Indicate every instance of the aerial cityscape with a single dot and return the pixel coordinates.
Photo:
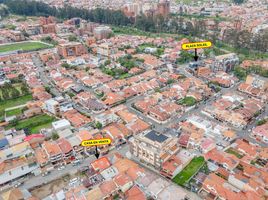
(133, 99)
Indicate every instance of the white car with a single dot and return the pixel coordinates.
(17, 184)
(61, 168)
(73, 181)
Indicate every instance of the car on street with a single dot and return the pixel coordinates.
(73, 181)
(17, 184)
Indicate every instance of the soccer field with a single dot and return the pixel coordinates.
(25, 46)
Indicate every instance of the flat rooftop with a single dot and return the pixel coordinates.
(155, 136)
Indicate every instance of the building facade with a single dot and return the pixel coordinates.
(153, 148)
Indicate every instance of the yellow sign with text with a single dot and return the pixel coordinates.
(87, 143)
(196, 45)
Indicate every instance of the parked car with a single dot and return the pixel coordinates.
(46, 173)
(73, 181)
(76, 162)
(61, 168)
(17, 184)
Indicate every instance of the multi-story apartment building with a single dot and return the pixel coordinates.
(153, 148)
(52, 106)
(102, 32)
(106, 49)
(106, 118)
(71, 49)
(66, 149)
(225, 62)
(257, 81)
(53, 152)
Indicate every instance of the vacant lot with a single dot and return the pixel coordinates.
(49, 188)
(33, 124)
(189, 170)
(16, 112)
(234, 152)
(13, 102)
(25, 46)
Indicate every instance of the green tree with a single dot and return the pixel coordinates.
(261, 122)
(14, 122)
(24, 89)
(240, 73)
(185, 57)
(190, 28)
(98, 125)
(238, 1)
(14, 93)
(107, 62)
(170, 81)
(55, 136)
(4, 12)
(49, 40)
(200, 28)
(72, 38)
(5, 94)
(66, 65)
(243, 39)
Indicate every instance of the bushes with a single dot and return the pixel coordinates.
(242, 73)
(187, 101)
(10, 91)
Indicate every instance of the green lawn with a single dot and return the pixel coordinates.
(189, 171)
(37, 129)
(123, 76)
(187, 101)
(234, 152)
(16, 112)
(25, 46)
(34, 124)
(14, 102)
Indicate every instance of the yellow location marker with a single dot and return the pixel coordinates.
(196, 45)
(87, 143)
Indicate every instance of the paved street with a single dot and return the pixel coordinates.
(55, 174)
(41, 70)
(69, 169)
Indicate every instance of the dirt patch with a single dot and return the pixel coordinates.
(50, 188)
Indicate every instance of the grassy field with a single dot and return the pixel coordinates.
(189, 171)
(188, 101)
(14, 102)
(234, 152)
(37, 129)
(34, 124)
(16, 112)
(25, 46)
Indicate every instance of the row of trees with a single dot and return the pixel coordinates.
(247, 40)
(174, 24)
(35, 8)
(242, 73)
(3, 11)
